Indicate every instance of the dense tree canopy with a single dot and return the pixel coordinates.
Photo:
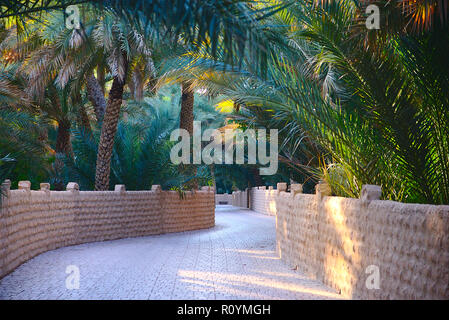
(353, 105)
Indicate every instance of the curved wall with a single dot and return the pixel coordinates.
(32, 222)
(365, 248)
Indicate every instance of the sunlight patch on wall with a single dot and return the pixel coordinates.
(340, 253)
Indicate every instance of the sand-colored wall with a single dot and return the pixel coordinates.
(32, 222)
(240, 199)
(195, 211)
(223, 198)
(263, 200)
(237, 199)
(336, 240)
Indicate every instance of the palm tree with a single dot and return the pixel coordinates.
(43, 96)
(141, 152)
(21, 134)
(372, 114)
(68, 57)
(231, 24)
(96, 96)
(198, 21)
(382, 126)
(23, 146)
(108, 129)
(187, 101)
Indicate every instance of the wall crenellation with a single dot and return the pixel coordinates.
(35, 221)
(339, 240)
(332, 239)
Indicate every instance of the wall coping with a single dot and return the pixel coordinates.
(35, 221)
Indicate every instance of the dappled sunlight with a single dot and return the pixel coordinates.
(282, 274)
(270, 201)
(285, 227)
(269, 258)
(272, 206)
(223, 290)
(340, 252)
(337, 268)
(227, 282)
(257, 252)
(225, 106)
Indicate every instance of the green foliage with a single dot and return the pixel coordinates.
(378, 113)
(21, 135)
(141, 155)
(341, 179)
(232, 25)
(352, 106)
(389, 126)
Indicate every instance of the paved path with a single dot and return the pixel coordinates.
(234, 260)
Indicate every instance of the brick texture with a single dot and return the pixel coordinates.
(32, 222)
(223, 198)
(335, 240)
(263, 200)
(237, 199)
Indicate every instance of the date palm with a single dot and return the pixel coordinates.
(377, 115)
(45, 98)
(198, 21)
(216, 23)
(69, 57)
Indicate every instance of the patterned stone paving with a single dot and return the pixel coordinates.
(234, 260)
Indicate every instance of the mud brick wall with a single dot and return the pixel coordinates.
(263, 200)
(240, 199)
(32, 222)
(237, 199)
(194, 211)
(336, 240)
(223, 198)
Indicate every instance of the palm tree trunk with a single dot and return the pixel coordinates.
(101, 76)
(108, 130)
(63, 149)
(138, 85)
(187, 100)
(63, 144)
(83, 120)
(96, 96)
(212, 173)
(82, 117)
(186, 122)
(257, 178)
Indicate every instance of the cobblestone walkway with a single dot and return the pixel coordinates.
(234, 260)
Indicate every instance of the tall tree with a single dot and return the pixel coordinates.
(95, 94)
(187, 101)
(108, 130)
(186, 119)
